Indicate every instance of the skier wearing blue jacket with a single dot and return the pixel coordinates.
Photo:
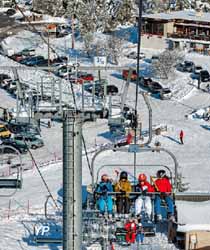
(105, 200)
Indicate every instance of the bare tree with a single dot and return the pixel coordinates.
(114, 48)
(165, 64)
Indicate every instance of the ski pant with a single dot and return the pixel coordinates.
(123, 205)
(104, 202)
(169, 203)
(130, 237)
(181, 140)
(146, 201)
(140, 237)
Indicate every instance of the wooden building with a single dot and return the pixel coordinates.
(183, 29)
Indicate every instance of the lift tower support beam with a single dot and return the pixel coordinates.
(72, 180)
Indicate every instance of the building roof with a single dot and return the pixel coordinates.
(189, 15)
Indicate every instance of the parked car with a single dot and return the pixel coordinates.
(154, 87)
(204, 76)
(28, 52)
(20, 146)
(133, 55)
(21, 127)
(85, 76)
(11, 88)
(5, 83)
(99, 88)
(144, 82)
(31, 140)
(10, 12)
(189, 66)
(133, 75)
(17, 57)
(197, 69)
(165, 93)
(4, 131)
(32, 61)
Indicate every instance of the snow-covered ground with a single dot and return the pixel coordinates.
(16, 226)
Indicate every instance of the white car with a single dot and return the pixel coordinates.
(133, 55)
(197, 69)
(165, 94)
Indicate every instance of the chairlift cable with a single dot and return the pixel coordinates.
(42, 177)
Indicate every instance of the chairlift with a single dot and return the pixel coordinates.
(13, 183)
(48, 232)
(134, 148)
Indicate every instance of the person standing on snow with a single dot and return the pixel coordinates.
(144, 186)
(163, 186)
(122, 200)
(105, 200)
(181, 137)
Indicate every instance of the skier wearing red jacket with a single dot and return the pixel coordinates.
(163, 185)
(131, 228)
(181, 136)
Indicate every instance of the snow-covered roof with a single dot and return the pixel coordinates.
(189, 15)
(193, 227)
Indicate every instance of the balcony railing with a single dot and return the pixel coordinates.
(201, 37)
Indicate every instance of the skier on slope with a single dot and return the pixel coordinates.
(144, 186)
(181, 137)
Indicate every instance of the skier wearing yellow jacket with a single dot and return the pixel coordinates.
(122, 200)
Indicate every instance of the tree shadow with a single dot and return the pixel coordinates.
(172, 139)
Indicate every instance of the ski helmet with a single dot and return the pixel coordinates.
(142, 177)
(161, 173)
(104, 177)
(123, 175)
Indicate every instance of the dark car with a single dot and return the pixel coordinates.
(31, 140)
(144, 82)
(32, 61)
(99, 89)
(155, 87)
(20, 127)
(20, 146)
(189, 66)
(204, 76)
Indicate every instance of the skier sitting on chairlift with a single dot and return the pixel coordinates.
(144, 186)
(122, 200)
(163, 185)
(104, 199)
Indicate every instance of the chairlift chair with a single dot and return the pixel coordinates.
(13, 183)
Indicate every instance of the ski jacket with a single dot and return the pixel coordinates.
(129, 138)
(130, 226)
(163, 185)
(181, 134)
(103, 188)
(145, 187)
(123, 186)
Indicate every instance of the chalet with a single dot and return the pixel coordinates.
(183, 29)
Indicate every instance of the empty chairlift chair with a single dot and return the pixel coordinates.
(10, 169)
